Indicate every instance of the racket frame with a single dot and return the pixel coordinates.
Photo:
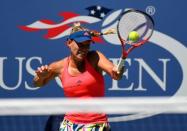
(124, 42)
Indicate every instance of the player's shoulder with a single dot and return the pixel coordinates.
(58, 64)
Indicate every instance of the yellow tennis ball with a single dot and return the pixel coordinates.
(133, 36)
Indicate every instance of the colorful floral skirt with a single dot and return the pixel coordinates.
(69, 126)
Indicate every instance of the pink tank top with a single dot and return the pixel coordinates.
(86, 85)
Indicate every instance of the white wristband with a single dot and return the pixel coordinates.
(120, 64)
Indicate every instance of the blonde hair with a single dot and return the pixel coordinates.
(77, 27)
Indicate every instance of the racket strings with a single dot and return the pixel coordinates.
(135, 21)
(128, 23)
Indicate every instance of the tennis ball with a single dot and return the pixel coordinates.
(133, 36)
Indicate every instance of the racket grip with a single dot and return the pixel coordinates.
(120, 64)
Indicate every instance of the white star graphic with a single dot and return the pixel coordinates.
(92, 12)
(102, 15)
(98, 7)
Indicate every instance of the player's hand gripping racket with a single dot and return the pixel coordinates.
(134, 29)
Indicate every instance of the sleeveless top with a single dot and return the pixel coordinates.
(88, 84)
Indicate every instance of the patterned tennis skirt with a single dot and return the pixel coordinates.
(69, 126)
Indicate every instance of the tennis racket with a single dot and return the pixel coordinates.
(133, 21)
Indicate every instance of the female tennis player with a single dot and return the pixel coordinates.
(81, 76)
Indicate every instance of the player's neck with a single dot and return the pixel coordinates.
(73, 63)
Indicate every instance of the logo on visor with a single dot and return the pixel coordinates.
(86, 34)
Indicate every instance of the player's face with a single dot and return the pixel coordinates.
(79, 51)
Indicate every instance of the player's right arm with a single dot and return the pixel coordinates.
(46, 73)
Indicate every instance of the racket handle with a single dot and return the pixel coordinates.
(120, 64)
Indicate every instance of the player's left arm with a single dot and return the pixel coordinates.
(110, 68)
